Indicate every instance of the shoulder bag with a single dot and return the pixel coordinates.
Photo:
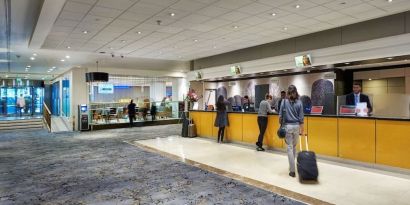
(282, 130)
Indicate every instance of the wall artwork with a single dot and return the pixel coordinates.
(221, 91)
(320, 88)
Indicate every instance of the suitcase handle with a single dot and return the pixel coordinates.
(300, 142)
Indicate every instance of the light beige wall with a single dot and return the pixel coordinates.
(399, 81)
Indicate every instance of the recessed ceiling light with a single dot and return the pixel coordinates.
(370, 79)
(67, 56)
(29, 66)
(32, 58)
(195, 40)
(214, 46)
(273, 14)
(297, 6)
(389, 58)
(347, 63)
(172, 14)
(42, 78)
(139, 32)
(123, 41)
(235, 27)
(7, 76)
(48, 71)
(34, 54)
(389, 1)
(110, 48)
(62, 60)
(285, 28)
(68, 47)
(85, 32)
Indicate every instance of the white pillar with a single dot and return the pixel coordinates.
(79, 93)
(157, 91)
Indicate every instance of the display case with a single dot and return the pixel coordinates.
(115, 112)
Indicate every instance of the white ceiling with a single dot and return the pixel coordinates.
(199, 28)
(113, 25)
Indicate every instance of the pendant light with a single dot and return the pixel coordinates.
(96, 76)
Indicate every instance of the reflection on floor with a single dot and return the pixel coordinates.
(337, 184)
(60, 124)
(119, 121)
(38, 167)
(3, 118)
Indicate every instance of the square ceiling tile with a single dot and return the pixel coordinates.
(164, 3)
(234, 16)
(146, 8)
(315, 11)
(85, 1)
(341, 4)
(195, 19)
(253, 20)
(213, 11)
(68, 23)
(232, 4)
(188, 5)
(76, 7)
(254, 8)
(291, 7)
(132, 16)
(170, 29)
(292, 18)
(71, 15)
(105, 12)
(117, 4)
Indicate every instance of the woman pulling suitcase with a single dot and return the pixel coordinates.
(293, 123)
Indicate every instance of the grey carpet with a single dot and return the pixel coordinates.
(37, 167)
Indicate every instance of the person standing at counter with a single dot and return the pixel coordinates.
(358, 97)
(282, 97)
(221, 120)
(131, 112)
(293, 120)
(264, 109)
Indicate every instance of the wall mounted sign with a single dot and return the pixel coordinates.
(105, 88)
(302, 61)
(330, 76)
(198, 75)
(236, 70)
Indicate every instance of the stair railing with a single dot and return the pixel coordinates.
(47, 116)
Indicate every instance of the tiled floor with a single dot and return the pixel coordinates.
(337, 183)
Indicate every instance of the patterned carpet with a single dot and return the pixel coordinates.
(37, 167)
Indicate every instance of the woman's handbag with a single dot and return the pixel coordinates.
(282, 130)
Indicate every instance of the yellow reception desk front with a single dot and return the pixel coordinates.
(372, 140)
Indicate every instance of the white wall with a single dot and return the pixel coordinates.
(379, 48)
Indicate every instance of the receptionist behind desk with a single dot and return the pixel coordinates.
(358, 97)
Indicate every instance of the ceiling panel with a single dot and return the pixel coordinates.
(224, 24)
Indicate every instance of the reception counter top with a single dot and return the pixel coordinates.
(378, 140)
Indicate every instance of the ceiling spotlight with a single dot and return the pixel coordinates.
(235, 27)
(62, 60)
(32, 58)
(34, 54)
(139, 32)
(389, 1)
(68, 47)
(48, 71)
(214, 46)
(85, 32)
(389, 58)
(110, 48)
(347, 63)
(123, 41)
(172, 14)
(67, 56)
(122, 56)
(112, 55)
(297, 6)
(195, 40)
(285, 28)
(29, 66)
(54, 67)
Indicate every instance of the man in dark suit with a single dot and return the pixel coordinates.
(358, 97)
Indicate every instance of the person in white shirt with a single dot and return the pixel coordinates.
(21, 103)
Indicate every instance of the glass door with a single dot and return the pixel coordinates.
(55, 99)
(3, 101)
(38, 100)
(11, 101)
(24, 97)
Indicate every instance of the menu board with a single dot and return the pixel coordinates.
(106, 88)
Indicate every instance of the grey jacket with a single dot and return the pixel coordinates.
(264, 108)
(293, 112)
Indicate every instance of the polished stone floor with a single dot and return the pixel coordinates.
(98, 167)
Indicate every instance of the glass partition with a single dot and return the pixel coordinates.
(383, 105)
(117, 112)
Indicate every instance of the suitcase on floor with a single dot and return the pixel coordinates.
(306, 163)
(191, 129)
(185, 125)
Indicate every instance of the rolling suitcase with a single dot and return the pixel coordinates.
(191, 129)
(306, 163)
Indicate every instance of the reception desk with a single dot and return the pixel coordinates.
(384, 141)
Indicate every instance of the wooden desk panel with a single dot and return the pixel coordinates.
(357, 139)
(393, 143)
(323, 136)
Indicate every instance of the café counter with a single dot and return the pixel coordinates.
(377, 140)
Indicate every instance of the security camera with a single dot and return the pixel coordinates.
(18, 56)
(159, 22)
(112, 55)
(122, 56)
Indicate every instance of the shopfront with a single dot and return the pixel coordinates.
(21, 98)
